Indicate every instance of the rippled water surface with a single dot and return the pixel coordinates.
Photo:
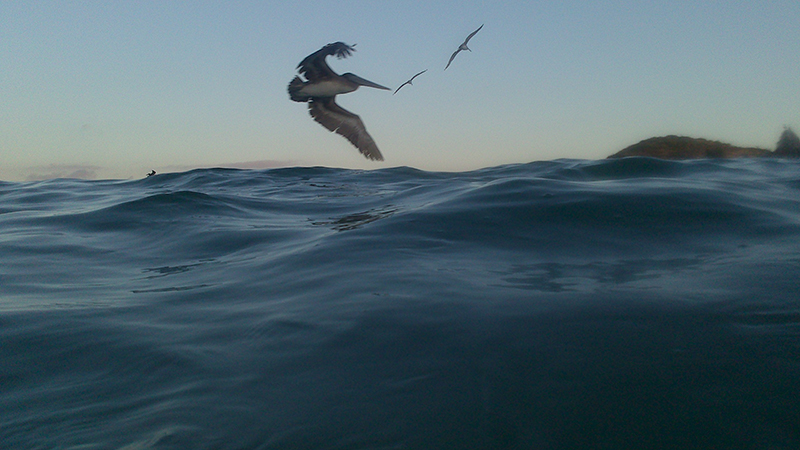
(631, 303)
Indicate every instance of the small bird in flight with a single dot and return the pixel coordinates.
(462, 47)
(409, 81)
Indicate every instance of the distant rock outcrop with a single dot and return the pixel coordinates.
(788, 144)
(682, 147)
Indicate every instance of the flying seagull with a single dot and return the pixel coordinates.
(409, 81)
(320, 92)
(462, 47)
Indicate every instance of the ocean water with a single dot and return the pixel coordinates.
(630, 303)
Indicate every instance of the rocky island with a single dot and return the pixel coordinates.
(683, 147)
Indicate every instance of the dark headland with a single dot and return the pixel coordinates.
(683, 147)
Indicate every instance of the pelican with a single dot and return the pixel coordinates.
(462, 47)
(409, 81)
(320, 92)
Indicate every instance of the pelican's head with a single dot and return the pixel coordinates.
(362, 82)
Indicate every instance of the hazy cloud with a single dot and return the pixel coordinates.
(49, 172)
(260, 164)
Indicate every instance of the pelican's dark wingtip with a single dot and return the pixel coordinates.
(343, 50)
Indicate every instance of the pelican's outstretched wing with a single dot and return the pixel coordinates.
(409, 81)
(341, 121)
(314, 67)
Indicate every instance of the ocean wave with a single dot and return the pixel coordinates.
(549, 304)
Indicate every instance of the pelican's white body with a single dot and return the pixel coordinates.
(327, 88)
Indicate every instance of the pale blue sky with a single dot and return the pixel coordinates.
(114, 89)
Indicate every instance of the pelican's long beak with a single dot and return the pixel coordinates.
(367, 83)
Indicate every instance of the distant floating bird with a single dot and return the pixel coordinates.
(409, 81)
(151, 173)
(462, 47)
(320, 92)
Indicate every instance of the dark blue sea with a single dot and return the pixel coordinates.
(616, 304)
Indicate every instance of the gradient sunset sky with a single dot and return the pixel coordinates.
(99, 90)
